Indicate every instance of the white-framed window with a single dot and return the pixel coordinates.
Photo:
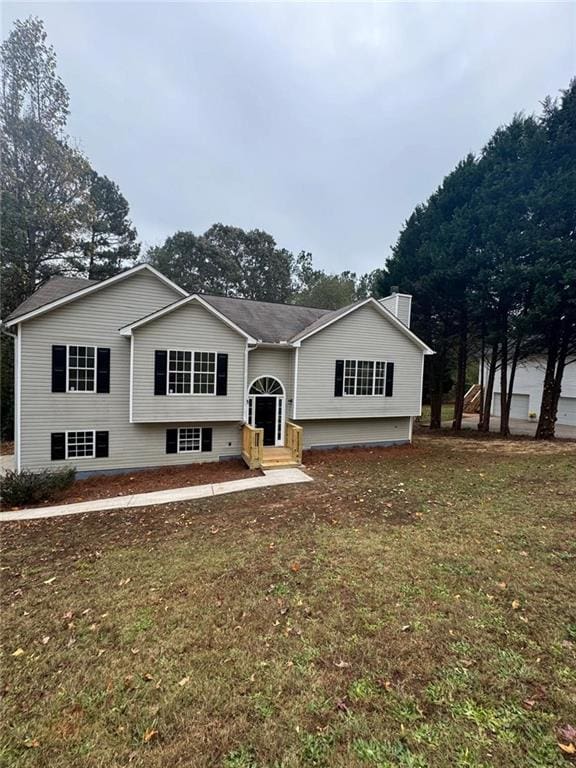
(189, 439)
(81, 445)
(81, 368)
(364, 377)
(191, 373)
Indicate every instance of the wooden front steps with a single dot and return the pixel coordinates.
(258, 456)
(277, 458)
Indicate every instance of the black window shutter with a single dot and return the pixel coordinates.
(58, 368)
(339, 379)
(221, 373)
(58, 446)
(101, 445)
(160, 371)
(102, 370)
(389, 379)
(171, 441)
(206, 439)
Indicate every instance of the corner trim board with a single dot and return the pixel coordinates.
(18, 398)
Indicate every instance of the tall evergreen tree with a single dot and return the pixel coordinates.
(110, 240)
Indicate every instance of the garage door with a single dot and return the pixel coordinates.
(518, 406)
(567, 411)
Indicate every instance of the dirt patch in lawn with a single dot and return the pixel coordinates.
(147, 480)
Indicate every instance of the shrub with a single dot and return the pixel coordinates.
(18, 488)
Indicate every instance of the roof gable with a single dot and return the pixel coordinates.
(338, 314)
(55, 294)
(127, 330)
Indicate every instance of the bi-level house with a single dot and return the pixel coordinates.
(135, 372)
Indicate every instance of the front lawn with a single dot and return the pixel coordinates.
(412, 607)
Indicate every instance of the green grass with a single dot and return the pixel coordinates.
(447, 413)
(412, 607)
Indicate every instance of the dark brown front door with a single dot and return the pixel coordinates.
(265, 418)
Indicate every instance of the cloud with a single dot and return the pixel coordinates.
(323, 123)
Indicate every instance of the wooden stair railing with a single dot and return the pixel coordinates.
(294, 440)
(252, 446)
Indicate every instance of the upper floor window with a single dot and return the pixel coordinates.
(81, 369)
(191, 373)
(364, 377)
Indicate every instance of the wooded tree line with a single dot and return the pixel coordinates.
(491, 261)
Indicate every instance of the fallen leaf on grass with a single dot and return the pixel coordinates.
(569, 749)
(45, 639)
(18, 652)
(184, 681)
(567, 733)
(149, 734)
(49, 581)
(341, 664)
(32, 743)
(515, 604)
(295, 567)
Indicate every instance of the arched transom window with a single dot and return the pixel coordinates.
(266, 386)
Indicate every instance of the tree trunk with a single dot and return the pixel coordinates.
(513, 367)
(482, 382)
(437, 387)
(545, 429)
(504, 428)
(461, 374)
(484, 425)
(549, 408)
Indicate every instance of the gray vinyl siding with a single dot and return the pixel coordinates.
(191, 327)
(266, 361)
(92, 320)
(362, 335)
(147, 447)
(325, 432)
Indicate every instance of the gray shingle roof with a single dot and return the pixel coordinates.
(266, 321)
(53, 289)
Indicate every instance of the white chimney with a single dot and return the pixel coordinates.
(400, 304)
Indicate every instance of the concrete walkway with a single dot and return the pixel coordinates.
(270, 478)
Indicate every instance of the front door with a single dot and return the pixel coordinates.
(265, 418)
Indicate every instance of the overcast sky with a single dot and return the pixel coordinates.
(324, 124)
